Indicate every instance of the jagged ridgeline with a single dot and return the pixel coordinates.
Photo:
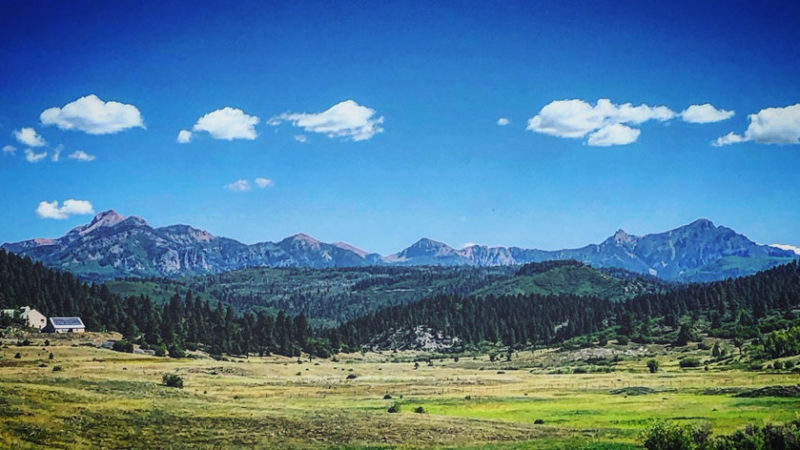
(732, 308)
(113, 246)
(182, 322)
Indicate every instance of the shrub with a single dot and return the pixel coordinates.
(395, 408)
(670, 436)
(123, 345)
(579, 370)
(622, 339)
(538, 422)
(17, 356)
(689, 362)
(387, 397)
(788, 365)
(172, 380)
(351, 376)
(652, 365)
(176, 352)
(160, 350)
(57, 369)
(51, 356)
(777, 365)
(419, 410)
(46, 342)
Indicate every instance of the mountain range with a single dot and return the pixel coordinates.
(113, 246)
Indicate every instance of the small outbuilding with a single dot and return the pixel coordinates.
(65, 325)
(29, 316)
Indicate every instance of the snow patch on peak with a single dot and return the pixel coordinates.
(788, 247)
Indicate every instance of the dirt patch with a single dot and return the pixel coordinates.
(634, 390)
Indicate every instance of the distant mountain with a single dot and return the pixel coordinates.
(112, 246)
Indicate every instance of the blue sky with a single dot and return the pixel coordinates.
(418, 151)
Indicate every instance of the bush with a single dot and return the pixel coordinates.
(622, 339)
(51, 356)
(419, 410)
(395, 408)
(387, 397)
(172, 380)
(538, 422)
(352, 376)
(788, 365)
(671, 436)
(17, 356)
(777, 365)
(123, 345)
(579, 370)
(176, 352)
(160, 350)
(57, 369)
(652, 365)
(46, 342)
(689, 362)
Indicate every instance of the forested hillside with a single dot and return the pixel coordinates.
(181, 323)
(732, 308)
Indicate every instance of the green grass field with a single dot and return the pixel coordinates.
(105, 399)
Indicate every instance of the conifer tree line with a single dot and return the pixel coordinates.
(183, 322)
(733, 304)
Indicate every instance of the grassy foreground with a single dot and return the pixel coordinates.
(105, 399)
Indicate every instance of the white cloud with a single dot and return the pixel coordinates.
(51, 210)
(264, 182)
(81, 155)
(92, 115)
(300, 138)
(503, 121)
(705, 113)
(791, 248)
(227, 123)
(33, 157)
(29, 137)
(238, 186)
(730, 138)
(577, 118)
(10, 149)
(57, 153)
(346, 119)
(769, 126)
(184, 137)
(614, 134)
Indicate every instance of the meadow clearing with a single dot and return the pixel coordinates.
(105, 399)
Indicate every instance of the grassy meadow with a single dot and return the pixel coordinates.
(104, 399)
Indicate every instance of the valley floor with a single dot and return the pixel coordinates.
(105, 399)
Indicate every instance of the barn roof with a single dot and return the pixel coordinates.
(67, 322)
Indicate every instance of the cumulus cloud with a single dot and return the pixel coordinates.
(51, 210)
(29, 137)
(57, 153)
(9, 150)
(503, 121)
(614, 134)
(184, 136)
(34, 157)
(346, 119)
(300, 138)
(769, 126)
(264, 182)
(705, 113)
(577, 118)
(238, 186)
(92, 115)
(226, 123)
(81, 155)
